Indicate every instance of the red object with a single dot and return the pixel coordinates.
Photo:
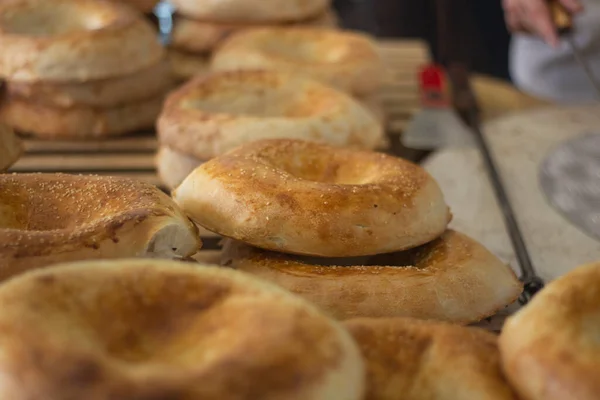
(431, 85)
(431, 77)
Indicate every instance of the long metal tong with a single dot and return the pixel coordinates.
(466, 103)
(454, 31)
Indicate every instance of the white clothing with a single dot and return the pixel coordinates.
(553, 73)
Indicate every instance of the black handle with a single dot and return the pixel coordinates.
(562, 18)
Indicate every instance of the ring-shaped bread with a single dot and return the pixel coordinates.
(50, 218)
(186, 65)
(80, 122)
(550, 348)
(349, 61)
(410, 359)
(250, 11)
(308, 198)
(10, 147)
(105, 93)
(196, 36)
(453, 279)
(73, 40)
(144, 329)
(173, 166)
(213, 114)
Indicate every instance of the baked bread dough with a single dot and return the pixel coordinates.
(144, 329)
(198, 36)
(145, 6)
(347, 60)
(213, 114)
(550, 347)
(187, 65)
(408, 359)
(256, 11)
(453, 278)
(150, 82)
(173, 166)
(50, 218)
(307, 198)
(73, 40)
(82, 122)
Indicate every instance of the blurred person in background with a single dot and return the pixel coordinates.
(543, 64)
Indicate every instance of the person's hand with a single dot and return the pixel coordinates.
(533, 16)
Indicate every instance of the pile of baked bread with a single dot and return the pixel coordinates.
(200, 27)
(211, 115)
(340, 280)
(334, 225)
(348, 61)
(274, 82)
(79, 69)
(339, 277)
(104, 73)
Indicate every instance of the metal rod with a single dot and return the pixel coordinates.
(529, 277)
(507, 211)
(466, 103)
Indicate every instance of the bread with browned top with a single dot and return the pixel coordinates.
(149, 330)
(550, 348)
(73, 40)
(452, 278)
(309, 198)
(51, 218)
(408, 359)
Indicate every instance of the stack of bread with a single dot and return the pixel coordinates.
(349, 61)
(79, 68)
(358, 233)
(213, 114)
(156, 329)
(200, 26)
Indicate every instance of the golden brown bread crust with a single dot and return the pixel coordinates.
(408, 359)
(347, 60)
(452, 278)
(308, 198)
(80, 122)
(211, 115)
(550, 347)
(149, 330)
(173, 166)
(197, 36)
(73, 40)
(186, 65)
(50, 218)
(256, 11)
(10, 147)
(145, 6)
(111, 92)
